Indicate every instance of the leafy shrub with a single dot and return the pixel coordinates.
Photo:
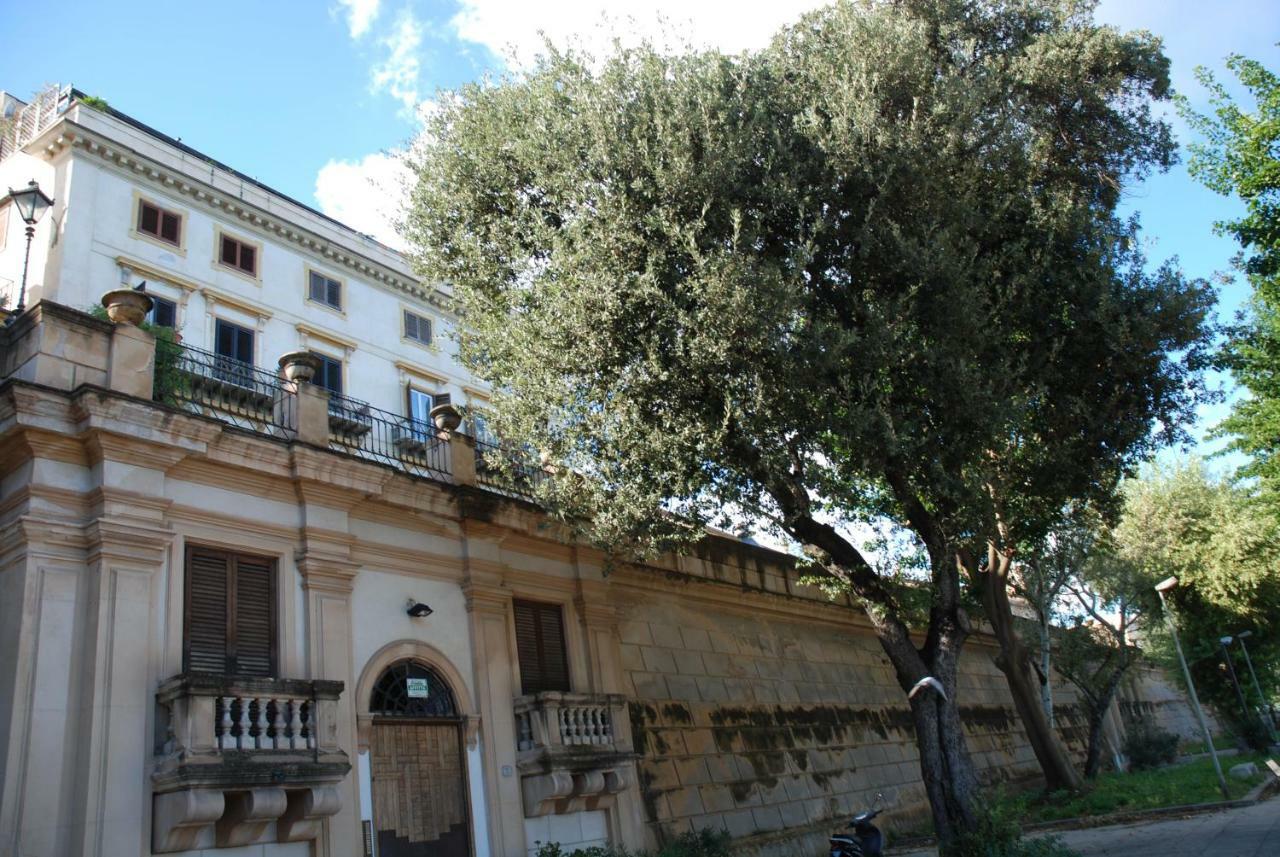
(1150, 746)
(999, 834)
(704, 843)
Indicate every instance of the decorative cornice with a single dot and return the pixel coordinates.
(155, 273)
(213, 296)
(71, 135)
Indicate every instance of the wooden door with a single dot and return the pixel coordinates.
(419, 790)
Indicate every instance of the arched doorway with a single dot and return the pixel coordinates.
(417, 767)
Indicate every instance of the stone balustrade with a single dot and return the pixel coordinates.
(573, 750)
(244, 761)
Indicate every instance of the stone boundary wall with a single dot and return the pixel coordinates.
(757, 711)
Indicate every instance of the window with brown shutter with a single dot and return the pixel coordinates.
(239, 255)
(230, 625)
(160, 223)
(540, 647)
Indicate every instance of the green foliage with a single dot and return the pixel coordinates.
(95, 102)
(1177, 785)
(1223, 545)
(999, 834)
(858, 261)
(704, 843)
(1239, 154)
(1149, 746)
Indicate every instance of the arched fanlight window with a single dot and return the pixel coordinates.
(410, 689)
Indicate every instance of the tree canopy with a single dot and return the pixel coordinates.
(874, 270)
(1239, 154)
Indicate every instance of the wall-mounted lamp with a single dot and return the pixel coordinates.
(418, 610)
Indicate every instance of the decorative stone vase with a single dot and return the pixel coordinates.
(445, 415)
(127, 306)
(299, 365)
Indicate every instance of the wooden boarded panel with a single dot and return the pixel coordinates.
(419, 790)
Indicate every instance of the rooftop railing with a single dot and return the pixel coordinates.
(520, 477)
(359, 428)
(221, 387)
(30, 120)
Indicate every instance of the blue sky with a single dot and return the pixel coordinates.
(309, 96)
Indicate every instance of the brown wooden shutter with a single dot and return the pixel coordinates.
(540, 647)
(208, 575)
(230, 623)
(254, 617)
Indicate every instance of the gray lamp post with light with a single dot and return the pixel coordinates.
(1231, 671)
(1262, 700)
(31, 204)
(1161, 588)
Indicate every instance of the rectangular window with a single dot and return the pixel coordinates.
(232, 340)
(540, 647)
(420, 405)
(330, 374)
(239, 255)
(159, 223)
(325, 290)
(164, 312)
(229, 625)
(417, 327)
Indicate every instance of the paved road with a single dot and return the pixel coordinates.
(1252, 831)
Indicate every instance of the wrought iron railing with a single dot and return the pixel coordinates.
(221, 387)
(359, 428)
(506, 470)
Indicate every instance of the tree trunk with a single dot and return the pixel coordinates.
(1097, 718)
(1015, 662)
(949, 779)
(1046, 667)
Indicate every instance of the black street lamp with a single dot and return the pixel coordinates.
(31, 204)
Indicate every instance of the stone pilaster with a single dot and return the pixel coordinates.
(327, 581)
(488, 605)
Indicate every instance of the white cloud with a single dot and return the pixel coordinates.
(515, 26)
(368, 195)
(360, 15)
(399, 74)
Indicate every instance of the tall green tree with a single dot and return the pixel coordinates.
(1239, 154)
(1224, 547)
(873, 271)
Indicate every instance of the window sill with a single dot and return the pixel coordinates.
(179, 249)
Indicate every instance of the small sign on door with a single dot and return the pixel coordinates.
(417, 688)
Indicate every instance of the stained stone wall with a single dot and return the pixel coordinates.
(770, 715)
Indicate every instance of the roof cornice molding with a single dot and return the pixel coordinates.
(70, 135)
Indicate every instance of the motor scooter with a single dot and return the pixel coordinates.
(865, 839)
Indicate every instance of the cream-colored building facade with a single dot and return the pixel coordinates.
(242, 614)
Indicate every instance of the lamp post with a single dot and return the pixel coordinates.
(1262, 700)
(1161, 588)
(1231, 670)
(31, 204)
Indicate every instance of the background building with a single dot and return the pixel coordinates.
(238, 610)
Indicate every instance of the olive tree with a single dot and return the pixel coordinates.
(873, 271)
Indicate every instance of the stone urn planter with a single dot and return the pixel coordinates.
(444, 415)
(299, 365)
(127, 306)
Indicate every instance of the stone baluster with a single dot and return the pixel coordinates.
(243, 724)
(295, 725)
(606, 726)
(310, 722)
(524, 732)
(226, 740)
(264, 736)
(278, 725)
(597, 728)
